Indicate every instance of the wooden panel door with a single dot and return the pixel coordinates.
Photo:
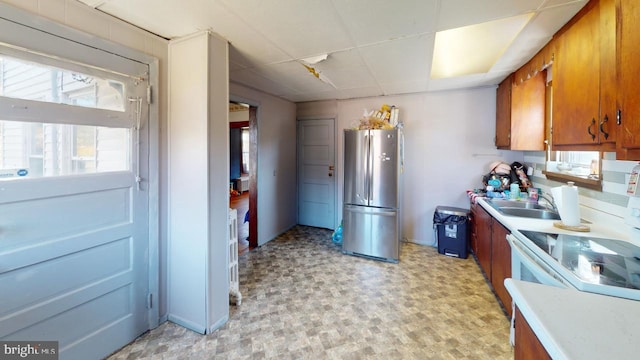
(629, 76)
(576, 81)
(503, 114)
(483, 222)
(607, 128)
(500, 263)
(528, 105)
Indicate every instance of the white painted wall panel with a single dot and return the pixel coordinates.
(277, 201)
(217, 281)
(188, 182)
(198, 279)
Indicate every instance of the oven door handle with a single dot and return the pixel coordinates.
(541, 271)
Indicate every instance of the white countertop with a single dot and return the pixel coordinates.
(572, 324)
(601, 229)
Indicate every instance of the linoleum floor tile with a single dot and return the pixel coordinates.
(303, 299)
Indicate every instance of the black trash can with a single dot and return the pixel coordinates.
(451, 231)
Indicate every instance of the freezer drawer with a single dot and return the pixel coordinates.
(371, 232)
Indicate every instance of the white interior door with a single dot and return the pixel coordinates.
(74, 221)
(316, 173)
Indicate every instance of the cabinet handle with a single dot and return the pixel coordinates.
(619, 117)
(606, 134)
(593, 122)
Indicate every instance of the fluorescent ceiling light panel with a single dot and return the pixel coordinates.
(474, 49)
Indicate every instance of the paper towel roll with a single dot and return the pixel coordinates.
(566, 199)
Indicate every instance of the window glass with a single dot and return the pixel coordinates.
(43, 149)
(245, 150)
(22, 79)
(584, 164)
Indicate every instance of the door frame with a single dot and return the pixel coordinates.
(254, 111)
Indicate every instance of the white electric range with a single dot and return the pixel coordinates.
(583, 262)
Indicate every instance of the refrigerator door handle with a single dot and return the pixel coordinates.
(366, 167)
(367, 210)
(370, 166)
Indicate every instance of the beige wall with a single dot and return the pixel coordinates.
(448, 146)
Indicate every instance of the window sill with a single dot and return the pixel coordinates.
(592, 184)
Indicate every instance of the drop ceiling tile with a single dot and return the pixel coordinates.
(347, 70)
(299, 28)
(372, 21)
(313, 96)
(400, 60)
(375, 47)
(169, 19)
(253, 47)
(295, 75)
(458, 13)
(549, 21)
(535, 35)
(252, 79)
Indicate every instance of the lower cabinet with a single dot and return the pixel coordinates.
(500, 263)
(527, 344)
(482, 232)
(492, 250)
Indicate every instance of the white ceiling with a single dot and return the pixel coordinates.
(374, 47)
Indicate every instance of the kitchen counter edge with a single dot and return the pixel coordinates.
(568, 325)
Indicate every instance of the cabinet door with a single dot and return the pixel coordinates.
(607, 128)
(483, 222)
(503, 114)
(629, 70)
(527, 344)
(576, 81)
(474, 228)
(500, 263)
(528, 113)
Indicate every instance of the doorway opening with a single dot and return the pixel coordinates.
(243, 189)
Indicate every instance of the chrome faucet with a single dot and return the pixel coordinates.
(548, 198)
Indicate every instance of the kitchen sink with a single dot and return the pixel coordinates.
(530, 213)
(523, 209)
(498, 204)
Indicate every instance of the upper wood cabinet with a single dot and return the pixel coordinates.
(584, 73)
(520, 113)
(503, 113)
(628, 79)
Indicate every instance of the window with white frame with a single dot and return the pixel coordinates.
(63, 118)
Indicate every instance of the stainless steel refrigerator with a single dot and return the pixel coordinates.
(371, 213)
